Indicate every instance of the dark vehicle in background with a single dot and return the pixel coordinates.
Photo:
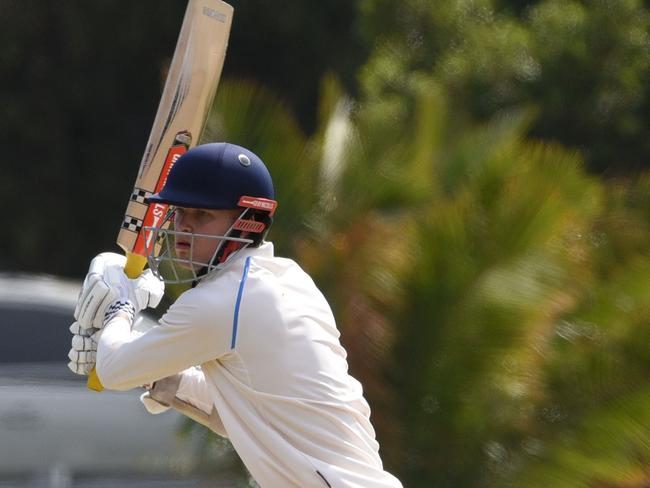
(54, 432)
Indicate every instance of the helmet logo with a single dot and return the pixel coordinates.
(244, 160)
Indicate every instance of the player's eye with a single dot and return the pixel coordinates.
(179, 213)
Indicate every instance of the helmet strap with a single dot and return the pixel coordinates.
(226, 249)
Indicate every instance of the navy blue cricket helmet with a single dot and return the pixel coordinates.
(215, 176)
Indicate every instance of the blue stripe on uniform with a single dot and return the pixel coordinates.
(235, 319)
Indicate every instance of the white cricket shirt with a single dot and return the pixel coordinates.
(272, 366)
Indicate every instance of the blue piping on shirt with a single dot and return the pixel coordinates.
(235, 319)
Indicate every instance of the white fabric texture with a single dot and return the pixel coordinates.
(270, 364)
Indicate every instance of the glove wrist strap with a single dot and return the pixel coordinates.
(119, 306)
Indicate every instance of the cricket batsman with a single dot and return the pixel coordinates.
(251, 350)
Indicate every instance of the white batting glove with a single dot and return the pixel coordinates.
(152, 405)
(107, 291)
(95, 295)
(83, 353)
(158, 397)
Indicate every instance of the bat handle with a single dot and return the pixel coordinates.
(133, 268)
(93, 382)
(134, 265)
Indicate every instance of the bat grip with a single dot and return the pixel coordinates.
(133, 268)
(134, 265)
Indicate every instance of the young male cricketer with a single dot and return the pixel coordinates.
(251, 350)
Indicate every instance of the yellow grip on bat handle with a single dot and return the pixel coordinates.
(133, 268)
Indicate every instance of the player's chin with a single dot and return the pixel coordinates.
(186, 265)
(183, 256)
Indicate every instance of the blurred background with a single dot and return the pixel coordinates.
(467, 182)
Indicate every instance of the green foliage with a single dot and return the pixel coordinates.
(291, 44)
(583, 64)
(492, 268)
(491, 294)
(479, 263)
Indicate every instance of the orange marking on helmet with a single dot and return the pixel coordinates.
(258, 203)
(249, 226)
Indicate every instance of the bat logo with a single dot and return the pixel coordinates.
(157, 211)
(210, 12)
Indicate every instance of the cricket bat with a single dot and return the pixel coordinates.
(184, 106)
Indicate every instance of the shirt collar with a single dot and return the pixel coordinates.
(264, 250)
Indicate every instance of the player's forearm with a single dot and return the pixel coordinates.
(112, 368)
(127, 360)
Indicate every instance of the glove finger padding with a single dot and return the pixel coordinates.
(149, 290)
(93, 303)
(82, 300)
(83, 353)
(82, 356)
(76, 329)
(83, 343)
(81, 368)
(92, 295)
(96, 271)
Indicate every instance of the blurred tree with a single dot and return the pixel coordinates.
(289, 45)
(583, 64)
(494, 265)
(492, 295)
(448, 256)
(592, 417)
(516, 7)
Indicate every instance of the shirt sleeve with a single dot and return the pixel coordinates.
(197, 328)
(194, 390)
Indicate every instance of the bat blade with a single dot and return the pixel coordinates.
(184, 106)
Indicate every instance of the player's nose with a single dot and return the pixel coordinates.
(182, 223)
